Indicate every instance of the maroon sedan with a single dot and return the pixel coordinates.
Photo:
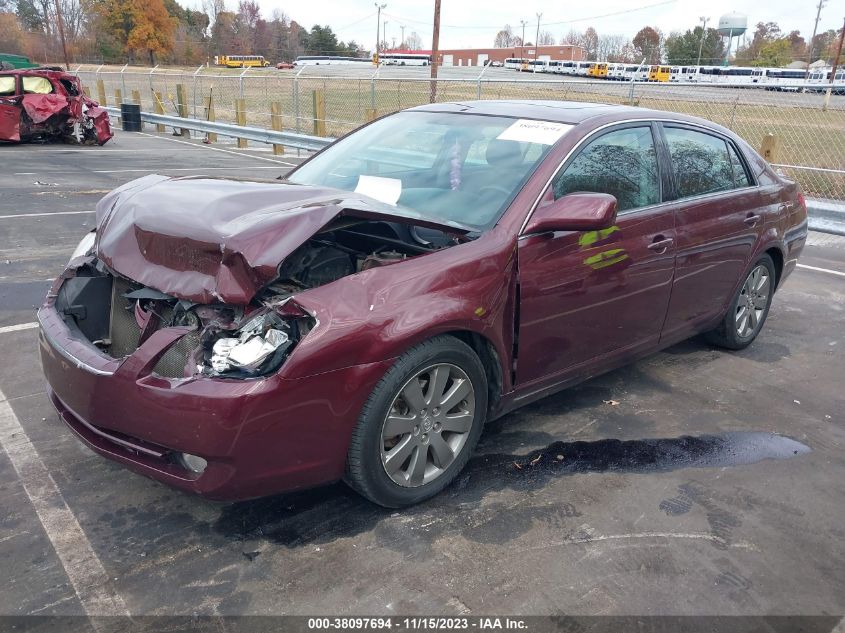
(364, 317)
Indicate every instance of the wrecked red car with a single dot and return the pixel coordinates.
(49, 104)
(362, 318)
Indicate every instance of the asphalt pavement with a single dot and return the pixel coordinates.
(695, 482)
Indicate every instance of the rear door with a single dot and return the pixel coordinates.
(589, 295)
(719, 215)
(10, 110)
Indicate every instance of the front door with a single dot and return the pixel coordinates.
(593, 294)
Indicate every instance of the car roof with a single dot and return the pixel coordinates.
(572, 112)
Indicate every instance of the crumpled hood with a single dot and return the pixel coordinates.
(213, 240)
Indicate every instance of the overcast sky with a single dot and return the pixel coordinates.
(473, 23)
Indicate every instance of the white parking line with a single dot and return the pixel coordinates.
(84, 570)
(822, 270)
(35, 215)
(17, 328)
(218, 149)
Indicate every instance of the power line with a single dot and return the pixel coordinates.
(569, 21)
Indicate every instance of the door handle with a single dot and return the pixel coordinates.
(660, 244)
(752, 219)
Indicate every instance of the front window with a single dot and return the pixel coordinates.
(462, 169)
(622, 163)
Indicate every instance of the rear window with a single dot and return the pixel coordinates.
(700, 162)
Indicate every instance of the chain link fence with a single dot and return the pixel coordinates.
(810, 133)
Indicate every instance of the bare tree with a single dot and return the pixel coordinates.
(546, 39)
(504, 38)
(413, 42)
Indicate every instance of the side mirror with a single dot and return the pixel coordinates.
(574, 212)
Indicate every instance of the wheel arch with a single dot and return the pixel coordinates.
(491, 360)
(777, 258)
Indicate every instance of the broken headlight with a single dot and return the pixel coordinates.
(85, 246)
(258, 347)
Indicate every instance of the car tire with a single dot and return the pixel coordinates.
(749, 308)
(401, 424)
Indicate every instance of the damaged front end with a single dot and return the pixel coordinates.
(117, 316)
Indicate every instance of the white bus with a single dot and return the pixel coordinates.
(779, 78)
(536, 66)
(819, 81)
(404, 59)
(327, 60)
(516, 63)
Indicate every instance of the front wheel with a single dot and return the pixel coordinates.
(420, 424)
(749, 309)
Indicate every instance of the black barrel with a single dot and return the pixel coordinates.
(130, 115)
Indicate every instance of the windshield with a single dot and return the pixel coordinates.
(450, 168)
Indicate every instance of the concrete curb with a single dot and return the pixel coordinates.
(827, 216)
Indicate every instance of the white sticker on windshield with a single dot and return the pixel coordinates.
(528, 131)
(382, 189)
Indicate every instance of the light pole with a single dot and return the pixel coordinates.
(701, 43)
(379, 7)
(384, 32)
(537, 41)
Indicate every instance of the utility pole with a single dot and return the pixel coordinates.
(537, 41)
(813, 39)
(703, 32)
(384, 32)
(61, 24)
(435, 46)
(522, 42)
(833, 70)
(379, 7)
(402, 27)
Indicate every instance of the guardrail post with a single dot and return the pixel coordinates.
(159, 109)
(118, 97)
(276, 123)
(370, 114)
(770, 147)
(319, 100)
(240, 119)
(211, 137)
(101, 92)
(182, 107)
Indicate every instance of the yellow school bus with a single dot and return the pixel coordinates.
(659, 73)
(597, 70)
(241, 61)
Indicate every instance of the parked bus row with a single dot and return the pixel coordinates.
(769, 78)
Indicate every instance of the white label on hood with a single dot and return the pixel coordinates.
(528, 131)
(382, 189)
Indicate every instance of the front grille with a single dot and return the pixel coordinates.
(125, 333)
(172, 364)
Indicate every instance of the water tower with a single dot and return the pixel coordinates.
(732, 25)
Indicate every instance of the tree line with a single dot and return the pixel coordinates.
(161, 32)
(768, 46)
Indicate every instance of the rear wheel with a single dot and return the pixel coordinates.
(420, 424)
(749, 309)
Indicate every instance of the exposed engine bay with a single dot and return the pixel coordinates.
(117, 315)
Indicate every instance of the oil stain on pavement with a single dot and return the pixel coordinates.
(324, 515)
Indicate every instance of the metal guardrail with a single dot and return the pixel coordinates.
(260, 135)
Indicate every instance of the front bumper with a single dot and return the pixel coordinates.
(260, 436)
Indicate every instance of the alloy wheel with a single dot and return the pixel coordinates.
(427, 425)
(752, 302)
